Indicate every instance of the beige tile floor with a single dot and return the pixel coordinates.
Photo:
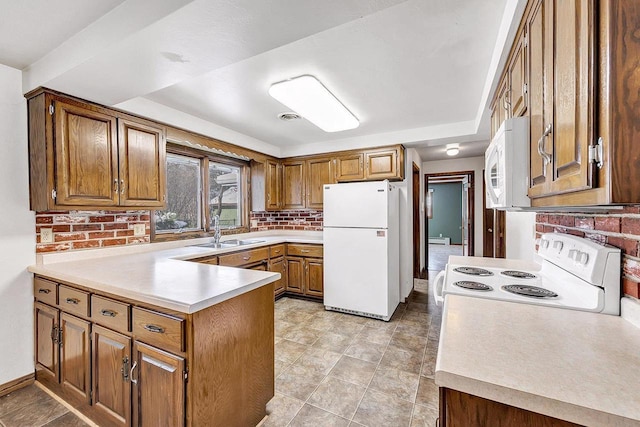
(335, 369)
(332, 369)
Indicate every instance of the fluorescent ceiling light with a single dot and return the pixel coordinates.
(452, 151)
(308, 97)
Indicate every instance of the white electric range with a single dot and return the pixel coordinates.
(574, 273)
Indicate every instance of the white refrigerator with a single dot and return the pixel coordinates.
(361, 248)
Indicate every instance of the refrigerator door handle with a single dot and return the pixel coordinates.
(438, 286)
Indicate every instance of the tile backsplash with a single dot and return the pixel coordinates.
(616, 228)
(90, 229)
(287, 220)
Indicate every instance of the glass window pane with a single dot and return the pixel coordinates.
(183, 201)
(225, 195)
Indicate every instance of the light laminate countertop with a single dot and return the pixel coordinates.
(577, 366)
(159, 274)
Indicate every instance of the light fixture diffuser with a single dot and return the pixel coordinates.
(452, 151)
(308, 97)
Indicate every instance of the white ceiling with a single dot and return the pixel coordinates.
(417, 72)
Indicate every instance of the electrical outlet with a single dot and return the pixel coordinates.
(46, 235)
(139, 229)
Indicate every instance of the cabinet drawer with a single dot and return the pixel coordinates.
(74, 301)
(110, 313)
(212, 260)
(244, 257)
(276, 251)
(45, 290)
(161, 330)
(314, 251)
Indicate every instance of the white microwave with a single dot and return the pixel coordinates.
(506, 166)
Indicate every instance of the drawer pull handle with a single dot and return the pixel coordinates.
(75, 301)
(246, 258)
(108, 313)
(304, 251)
(44, 291)
(154, 328)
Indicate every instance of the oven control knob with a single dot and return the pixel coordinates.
(557, 245)
(544, 243)
(583, 258)
(573, 254)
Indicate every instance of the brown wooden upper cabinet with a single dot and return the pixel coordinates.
(571, 70)
(381, 164)
(562, 129)
(350, 167)
(266, 185)
(319, 173)
(293, 194)
(87, 156)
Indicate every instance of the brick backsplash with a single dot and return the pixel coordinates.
(618, 228)
(90, 229)
(286, 220)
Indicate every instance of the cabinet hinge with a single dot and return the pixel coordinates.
(54, 194)
(526, 41)
(525, 88)
(595, 153)
(186, 376)
(51, 109)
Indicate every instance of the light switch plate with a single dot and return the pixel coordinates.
(46, 235)
(139, 229)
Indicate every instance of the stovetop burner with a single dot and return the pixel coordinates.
(474, 286)
(518, 274)
(529, 291)
(474, 271)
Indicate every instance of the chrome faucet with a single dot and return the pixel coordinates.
(216, 229)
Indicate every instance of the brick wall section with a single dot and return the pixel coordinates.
(287, 220)
(616, 228)
(90, 229)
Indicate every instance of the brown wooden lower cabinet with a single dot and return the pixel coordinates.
(295, 275)
(159, 390)
(278, 265)
(214, 367)
(458, 409)
(75, 356)
(305, 276)
(111, 368)
(314, 277)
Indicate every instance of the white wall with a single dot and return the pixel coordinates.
(521, 234)
(475, 164)
(17, 232)
(406, 224)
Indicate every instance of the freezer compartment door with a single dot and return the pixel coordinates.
(356, 271)
(360, 204)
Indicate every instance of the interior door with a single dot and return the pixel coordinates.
(487, 226)
(465, 216)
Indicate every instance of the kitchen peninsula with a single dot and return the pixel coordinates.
(141, 335)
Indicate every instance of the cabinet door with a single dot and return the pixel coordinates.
(46, 330)
(86, 157)
(142, 165)
(293, 185)
(158, 387)
(540, 92)
(350, 167)
(295, 275)
(111, 365)
(75, 355)
(314, 277)
(518, 77)
(273, 185)
(278, 265)
(319, 173)
(381, 164)
(574, 94)
(494, 120)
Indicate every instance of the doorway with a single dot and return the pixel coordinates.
(417, 273)
(494, 231)
(449, 216)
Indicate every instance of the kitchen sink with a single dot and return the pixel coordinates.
(230, 243)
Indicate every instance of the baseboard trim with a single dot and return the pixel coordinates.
(17, 384)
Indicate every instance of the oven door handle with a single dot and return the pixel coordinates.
(438, 285)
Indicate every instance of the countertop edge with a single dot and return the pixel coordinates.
(530, 402)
